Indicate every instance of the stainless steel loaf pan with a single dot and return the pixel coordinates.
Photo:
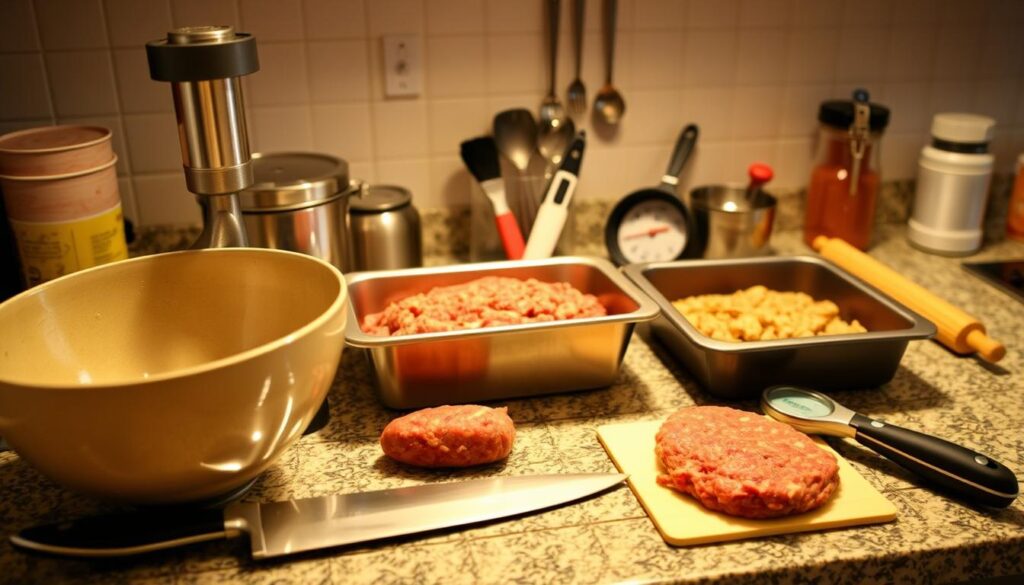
(742, 370)
(476, 365)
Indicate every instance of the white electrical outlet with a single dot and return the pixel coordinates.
(403, 66)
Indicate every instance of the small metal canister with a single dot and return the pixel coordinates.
(385, 228)
(299, 202)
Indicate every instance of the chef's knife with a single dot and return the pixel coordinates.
(282, 528)
(554, 210)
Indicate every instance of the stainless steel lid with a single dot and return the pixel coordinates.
(380, 198)
(294, 180)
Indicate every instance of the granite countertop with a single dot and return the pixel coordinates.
(609, 538)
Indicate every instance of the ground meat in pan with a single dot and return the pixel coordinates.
(485, 302)
(744, 464)
(450, 436)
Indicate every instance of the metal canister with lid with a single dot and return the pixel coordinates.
(299, 202)
(385, 229)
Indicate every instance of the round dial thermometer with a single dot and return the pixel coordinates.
(648, 226)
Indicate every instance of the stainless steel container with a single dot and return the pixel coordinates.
(477, 365)
(742, 370)
(730, 226)
(299, 202)
(385, 228)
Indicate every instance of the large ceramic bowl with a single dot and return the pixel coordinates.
(171, 378)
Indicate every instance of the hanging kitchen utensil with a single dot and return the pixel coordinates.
(954, 468)
(653, 224)
(577, 92)
(555, 129)
(609, 106)
(284, 528)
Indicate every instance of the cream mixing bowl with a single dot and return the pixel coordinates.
(177, 377)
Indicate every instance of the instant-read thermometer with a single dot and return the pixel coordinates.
(966, 473)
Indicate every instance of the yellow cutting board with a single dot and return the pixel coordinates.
(682, 521)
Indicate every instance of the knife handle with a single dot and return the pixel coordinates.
(959, 470)
(123, 535)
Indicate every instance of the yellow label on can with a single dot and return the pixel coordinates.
(51, 249)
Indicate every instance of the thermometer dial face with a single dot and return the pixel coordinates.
(649, 228)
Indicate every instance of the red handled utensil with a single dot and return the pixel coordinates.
(481, 157)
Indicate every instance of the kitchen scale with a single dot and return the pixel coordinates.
(1007, 275)
(960, 471)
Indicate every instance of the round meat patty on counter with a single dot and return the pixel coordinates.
(744, 464)
(450, 436)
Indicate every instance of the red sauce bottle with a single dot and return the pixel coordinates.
(845, 181)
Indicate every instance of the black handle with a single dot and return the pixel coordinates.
(956, 469)
(610, 12)
(123, 535)
(573, 157)
(684, 148)
(554, 11)
(578, 32)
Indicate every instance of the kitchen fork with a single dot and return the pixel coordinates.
(577, 95)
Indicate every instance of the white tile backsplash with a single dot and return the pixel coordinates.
(163, 199)
(414, 175)
(395, 17)
(18, 30)
(400, 129)
(338, 70)
(515, 17)
(198, 12)
(273, 20)
(343, 130)
(82, 82)
(71, 24)
(152, 142)
(453, 17)
(656, 60)
(709, 57)
(25, 93)
(712, 13)
(130, 26)
(453, 121)
(282, 78)
(282, 128)
(750, 73)
(456, 66)
(334, 19)
(137, 92)
(659, 15)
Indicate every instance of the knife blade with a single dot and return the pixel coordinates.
(554, 210)
(283, 528)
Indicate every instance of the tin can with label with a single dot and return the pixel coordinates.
(64, 214)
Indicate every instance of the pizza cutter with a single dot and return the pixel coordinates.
(960, 471)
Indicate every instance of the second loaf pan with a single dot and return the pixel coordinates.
(742, 370)
(477, 365)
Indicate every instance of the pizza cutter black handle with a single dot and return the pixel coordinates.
(684, 148)
(960, 471)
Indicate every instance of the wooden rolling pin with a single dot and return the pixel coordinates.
(958, 331)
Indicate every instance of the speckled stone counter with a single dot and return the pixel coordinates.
(609, 538)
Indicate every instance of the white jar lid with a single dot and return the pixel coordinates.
(959, 127)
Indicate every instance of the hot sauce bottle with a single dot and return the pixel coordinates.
(845, 181)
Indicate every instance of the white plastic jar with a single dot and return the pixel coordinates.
(954, 173)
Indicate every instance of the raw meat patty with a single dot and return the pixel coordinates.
(450, 436)
(744, 464)
(484, 302)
